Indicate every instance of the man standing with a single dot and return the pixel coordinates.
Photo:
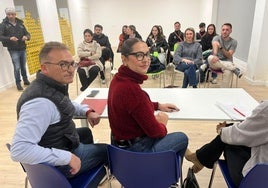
(107, 52)
(45, 131)
(223, 48)
(13, 35)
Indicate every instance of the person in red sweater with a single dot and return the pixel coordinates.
(131, 112)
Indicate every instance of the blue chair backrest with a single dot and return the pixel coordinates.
(47, 176)
(256, 177)
(44, 176)
(140, 169)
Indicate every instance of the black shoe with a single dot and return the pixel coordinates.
(238, 73)
(26, 82)
(19, 87)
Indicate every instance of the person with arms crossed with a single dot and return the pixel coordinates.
(244, 144)
(13, 35)
(91, 50)
(45, 131)
(224, 47)
(134, 126)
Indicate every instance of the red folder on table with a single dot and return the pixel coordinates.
(96, 104)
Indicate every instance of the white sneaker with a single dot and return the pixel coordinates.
(203, 67)
(103, 81)
(214, 81)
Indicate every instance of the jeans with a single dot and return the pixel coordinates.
(189, 74)
(19, 63)
(176, 141)
(91, 155)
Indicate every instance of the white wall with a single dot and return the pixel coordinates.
(80, 19)
(112, 15)
(48, 14)
(257, 68)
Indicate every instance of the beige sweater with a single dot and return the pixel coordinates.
(92, 51)
(252, 132)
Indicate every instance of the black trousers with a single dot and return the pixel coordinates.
(86, 81)
(235, 156)
(85, 135)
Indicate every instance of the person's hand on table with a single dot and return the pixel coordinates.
(168, 107)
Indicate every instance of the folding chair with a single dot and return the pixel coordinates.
(209, 76)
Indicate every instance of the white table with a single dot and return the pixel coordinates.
(194, 104)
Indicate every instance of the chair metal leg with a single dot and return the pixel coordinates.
(76, 82)
(26, 182)
(212, 175)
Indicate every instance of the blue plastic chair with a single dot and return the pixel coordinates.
(256, 177)
(47, 176)
(140, 169)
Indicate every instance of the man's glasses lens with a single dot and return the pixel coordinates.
(64, 65)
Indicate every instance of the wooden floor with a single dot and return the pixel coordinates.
(198, 132)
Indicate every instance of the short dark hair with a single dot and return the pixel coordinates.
(48, 47)
(202, 24)
(228, 24)
(98, 26)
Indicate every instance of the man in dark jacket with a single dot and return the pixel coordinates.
(107, 52)
(13, 35)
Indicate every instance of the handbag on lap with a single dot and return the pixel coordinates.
(85, 62)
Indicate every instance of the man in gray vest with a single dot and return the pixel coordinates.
(45, 131)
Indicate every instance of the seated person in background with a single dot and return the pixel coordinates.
(133, 123)
(244, 145)
(202, 31)
(222, 55)
(206, 42)
(45, 131)
(188, 58)
(122, 36)
(161, 31)
(158, 47)
(107, 52)
(174, 37)
(132, 33)
(89, 49)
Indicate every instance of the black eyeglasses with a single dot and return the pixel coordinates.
(64, 65)
(140, 55)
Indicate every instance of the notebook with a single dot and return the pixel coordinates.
(234, 111)
(97, 104)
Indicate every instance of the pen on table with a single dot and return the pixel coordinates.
(239, 112)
